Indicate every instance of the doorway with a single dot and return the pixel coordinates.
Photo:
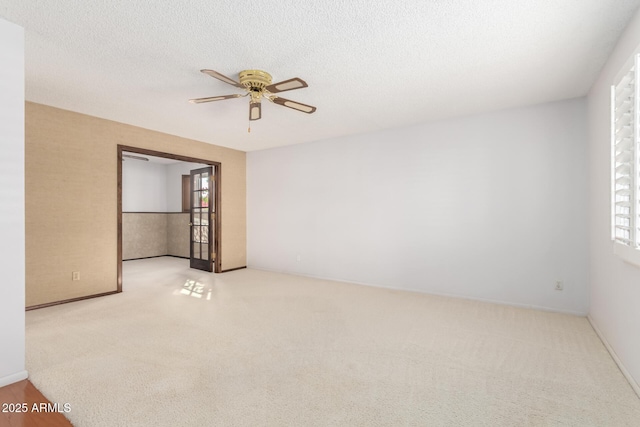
(204, 207)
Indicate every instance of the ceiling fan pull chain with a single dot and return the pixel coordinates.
(249, 130)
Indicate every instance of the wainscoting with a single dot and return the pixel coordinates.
(150, 234)
(178, 234)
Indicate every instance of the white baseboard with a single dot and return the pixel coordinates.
(420, 291)
(632, 382)
(13, 378)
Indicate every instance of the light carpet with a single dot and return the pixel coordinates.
(180, 347)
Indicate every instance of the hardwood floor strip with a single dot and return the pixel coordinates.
(25, 393)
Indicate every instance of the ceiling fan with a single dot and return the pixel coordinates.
(257, 84)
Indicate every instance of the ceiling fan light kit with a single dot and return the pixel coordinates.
(131, 156)
(257, 84)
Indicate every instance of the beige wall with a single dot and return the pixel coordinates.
(178, 234)
(144, 235)
(147, 234)
(71, 199)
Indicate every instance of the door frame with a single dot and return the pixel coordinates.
(217, 172)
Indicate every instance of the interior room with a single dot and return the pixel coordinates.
(155, 206)
(338, 213)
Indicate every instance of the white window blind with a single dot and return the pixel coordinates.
(625, 161)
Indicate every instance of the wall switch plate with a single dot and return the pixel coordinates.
(298, 258)
(75, 275)
(559, 285)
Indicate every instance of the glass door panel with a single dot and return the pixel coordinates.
(201, 208)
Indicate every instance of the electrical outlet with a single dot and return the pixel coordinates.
(298, 258)
(559, 285)
(75, 275)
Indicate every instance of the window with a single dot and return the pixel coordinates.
(625, 163)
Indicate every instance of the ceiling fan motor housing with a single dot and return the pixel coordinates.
(255, 80)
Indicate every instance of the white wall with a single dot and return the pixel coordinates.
(615, 285)
(144, 186)
(490, 207)
(153, 187)
(12, 244)
(174, 183)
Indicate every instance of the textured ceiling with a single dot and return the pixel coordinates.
(369, 64)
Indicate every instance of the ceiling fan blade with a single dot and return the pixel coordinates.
(255, 111)
(222, 78)
(295, 105)
(214, 98)
(283, 86)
